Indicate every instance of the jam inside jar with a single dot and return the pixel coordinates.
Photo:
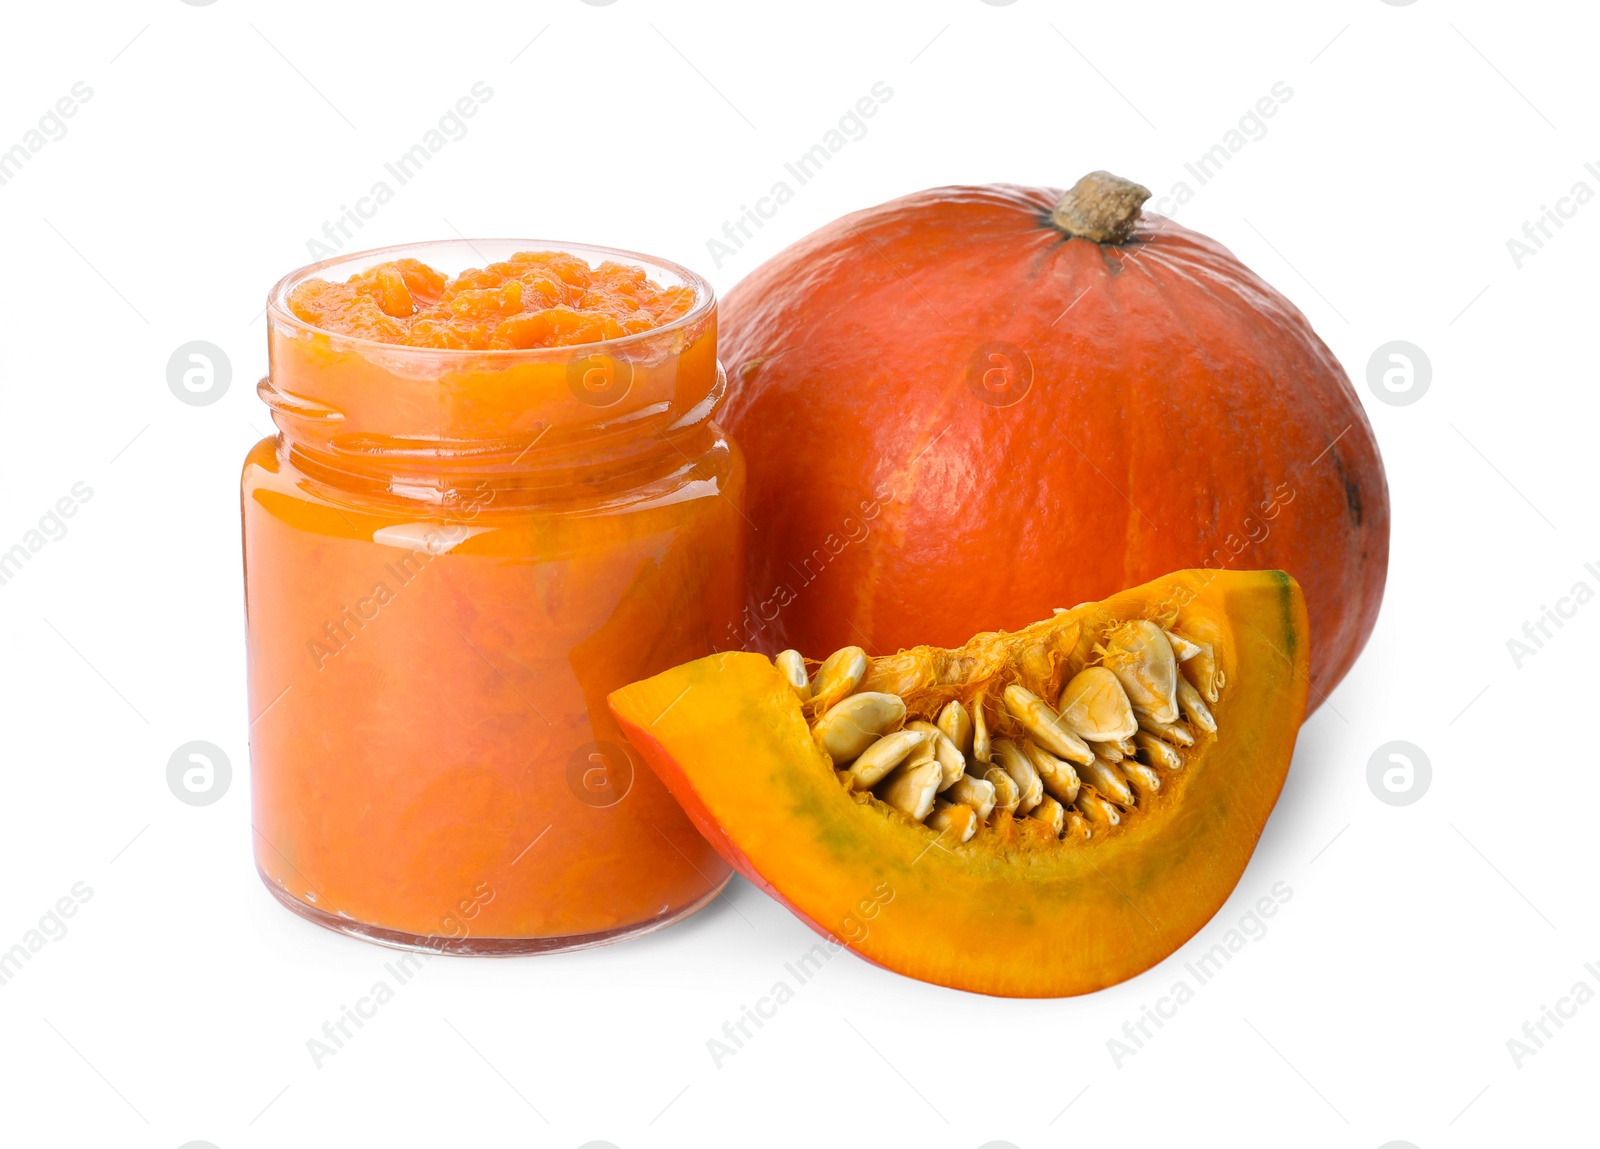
(451, 556)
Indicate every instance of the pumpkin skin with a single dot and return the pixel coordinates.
(1031, 917)
(1150, 406)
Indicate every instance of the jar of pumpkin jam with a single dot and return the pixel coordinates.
(495, 495)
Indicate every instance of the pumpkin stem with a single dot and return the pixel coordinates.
(1101, 207)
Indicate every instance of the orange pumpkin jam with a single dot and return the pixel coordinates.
(533, 299)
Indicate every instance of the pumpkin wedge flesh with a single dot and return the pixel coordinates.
(1012, 913)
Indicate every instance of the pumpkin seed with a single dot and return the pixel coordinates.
(975, 792)
(953, 762)
(1059, 778)
(1173, 732)
(838, 676)
(1194, 707)
(1035, 716)
(925, 752)
(792, 666)
(1103, 776)
(956, 724)
(954, 819)
(1139, 654)
(1141, 776)
(884, 755)
(1095, 707)
(1204, 673)
(1097, 809)
(1182, 649)
(911, 787)
(857, 722)
(1030, 787)
(1159, 753)
(1051, 813)
(1006, 794)
(981, 749)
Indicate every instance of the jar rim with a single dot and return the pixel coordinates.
(280, 315)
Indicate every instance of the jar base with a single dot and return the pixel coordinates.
(484, 947)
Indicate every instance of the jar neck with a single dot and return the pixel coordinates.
(546, 464)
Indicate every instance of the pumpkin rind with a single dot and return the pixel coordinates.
(1035, 917)
(1178, 412)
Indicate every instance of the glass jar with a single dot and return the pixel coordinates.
(451, 557)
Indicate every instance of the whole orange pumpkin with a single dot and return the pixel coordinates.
(970, 405)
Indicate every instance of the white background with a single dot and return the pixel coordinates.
(218, 140)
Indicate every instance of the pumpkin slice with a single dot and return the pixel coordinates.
(1034, 814)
